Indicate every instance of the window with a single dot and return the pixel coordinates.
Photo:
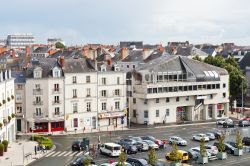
(133, 66)
(38, 111)
(117, 105)
(157, 100)
(134, 100)
(224, 95)
(104, 93)
(87, 79)
(75, 107)
(103, 81)
(74, 93)
(167, 112)
(195, 87)
(19, 109)
(18, 97)
(37, 74)
(56, 73)
(187, 98)
(224, 85)
(19, 86)
(117, 92)
(88, 106)
(190, 87)
(177, 99)
(134, 113)
(88, 92)
(146, 101)
(217, 86)
(146, 114)
(154, 90)
(104, 105)
(57, 111)
(167, 100)
(37, 86)
(118, 80)
(75, 122)
(159, 90)
(38, 99)
(127, 66)
(56, 99)
(157, 113)
(74, 79)
(185, 88)
(56, 87)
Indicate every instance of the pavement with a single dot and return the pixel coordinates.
(22, 153)
(63, 154)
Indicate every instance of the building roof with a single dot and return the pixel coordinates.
(41, 50)
(78, 65)
(245, 61)
(67, 54)
(209, 51)
(19, 76)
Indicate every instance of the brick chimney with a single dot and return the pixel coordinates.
(146, 53)
(124, 53)
(85, 52)
(61, 61)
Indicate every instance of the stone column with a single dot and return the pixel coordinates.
(49, 127)
(191, 113)
(226, 109)
(205, 112)
(215, 111)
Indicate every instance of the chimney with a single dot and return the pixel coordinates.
(61, 61)
(109, 61)
(85, 52)
(124, 53)
(146, 53)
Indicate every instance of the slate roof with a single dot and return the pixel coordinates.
(19, 76)
(245, 61)
(78, 65)
(67, 54)
(209, 51)
(134, 56)
(41, 50)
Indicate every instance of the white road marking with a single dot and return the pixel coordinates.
(67, 153)
(56, 154)
(79, 153)
(62, 153)
(50, 154)
(72, 154)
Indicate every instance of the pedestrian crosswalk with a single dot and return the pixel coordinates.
(64, 154)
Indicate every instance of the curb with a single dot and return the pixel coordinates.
(53, 148)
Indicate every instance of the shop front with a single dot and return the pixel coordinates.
(57, 126)
(220, 110)
(181, 114)
(40, 127)
(112, 119)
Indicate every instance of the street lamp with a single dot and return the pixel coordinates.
(242, 78)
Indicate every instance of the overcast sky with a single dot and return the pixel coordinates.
(110, 21)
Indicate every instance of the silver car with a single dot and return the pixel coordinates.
(177, 140)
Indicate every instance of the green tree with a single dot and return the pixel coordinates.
(238, 141)
(203, 150)
(174, 154)
(197, 58)
(87, 161)
(152, 158)
(60, 45)
(122, 159)
(221, 146)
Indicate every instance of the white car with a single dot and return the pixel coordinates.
(177, 140)
(211, 136)
(198, 137)
(115, 164)
(195, 152)
(212, 149)
(151, 144)
(223, 120)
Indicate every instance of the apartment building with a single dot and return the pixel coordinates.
(171, 89)
(7, 107)
(20, 40)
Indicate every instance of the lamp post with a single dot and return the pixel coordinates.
(242, 78)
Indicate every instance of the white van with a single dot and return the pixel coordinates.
(110, 149)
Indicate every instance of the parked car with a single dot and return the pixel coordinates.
(212, 149)
(137, 161)
(183, 155)
(115, 164)
(228, 124)
(151, 138)
(244, 123)
(228, 148)
(195, 153)
(138, 139)
(217, 134)
(211, 136)
(198, 137)
(130, 141)
(151, 144)
(128, 147)
(177, 140)
(233, 144)
(76, 146)
(246, 141)
(246, 118)
(110, 149)
(141, 146)
(222, 120)
(80, 160)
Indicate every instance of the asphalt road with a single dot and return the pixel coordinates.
(63, 155)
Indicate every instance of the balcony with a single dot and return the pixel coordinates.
(60, 115)
(37, 103)
(56, 90)
(37, 91)
(56, 102)
(35, 115)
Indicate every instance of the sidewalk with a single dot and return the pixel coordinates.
(21, 153)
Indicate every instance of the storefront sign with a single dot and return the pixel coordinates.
(201, 97)
(110, 114)
(220, 106)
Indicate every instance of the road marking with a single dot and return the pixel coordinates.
(72, 154)
(56, 154)
(67, 153)
(79, 153)
(50, 154)
(62, 153)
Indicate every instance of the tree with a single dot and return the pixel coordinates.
(203, 150)
(197, 58)
(60, 45)
(174, 154)
(152, 158)
(238, 142)
(87, 161)
(122, 159)
(221, 146)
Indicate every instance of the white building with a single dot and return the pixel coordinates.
(53, 41)
(7, 107)
(20, 40)
(171, 89)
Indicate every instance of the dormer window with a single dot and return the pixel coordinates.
(116, 68)
(56, 73)
(38, 73)
(103, 68)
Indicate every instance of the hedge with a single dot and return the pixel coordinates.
(43, 141)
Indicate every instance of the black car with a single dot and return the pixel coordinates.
(228, 148)
(137, 162)
(217, 134)
(246, 141)
(128, 147)
(228, 125)
(76, 146)
(244, 123)
(233, 144)
(80, 161)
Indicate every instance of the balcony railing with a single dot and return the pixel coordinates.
(56, 90)
(37, 91)
(37, 103)
(58, 115)
(56, 102)
(35, 115)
